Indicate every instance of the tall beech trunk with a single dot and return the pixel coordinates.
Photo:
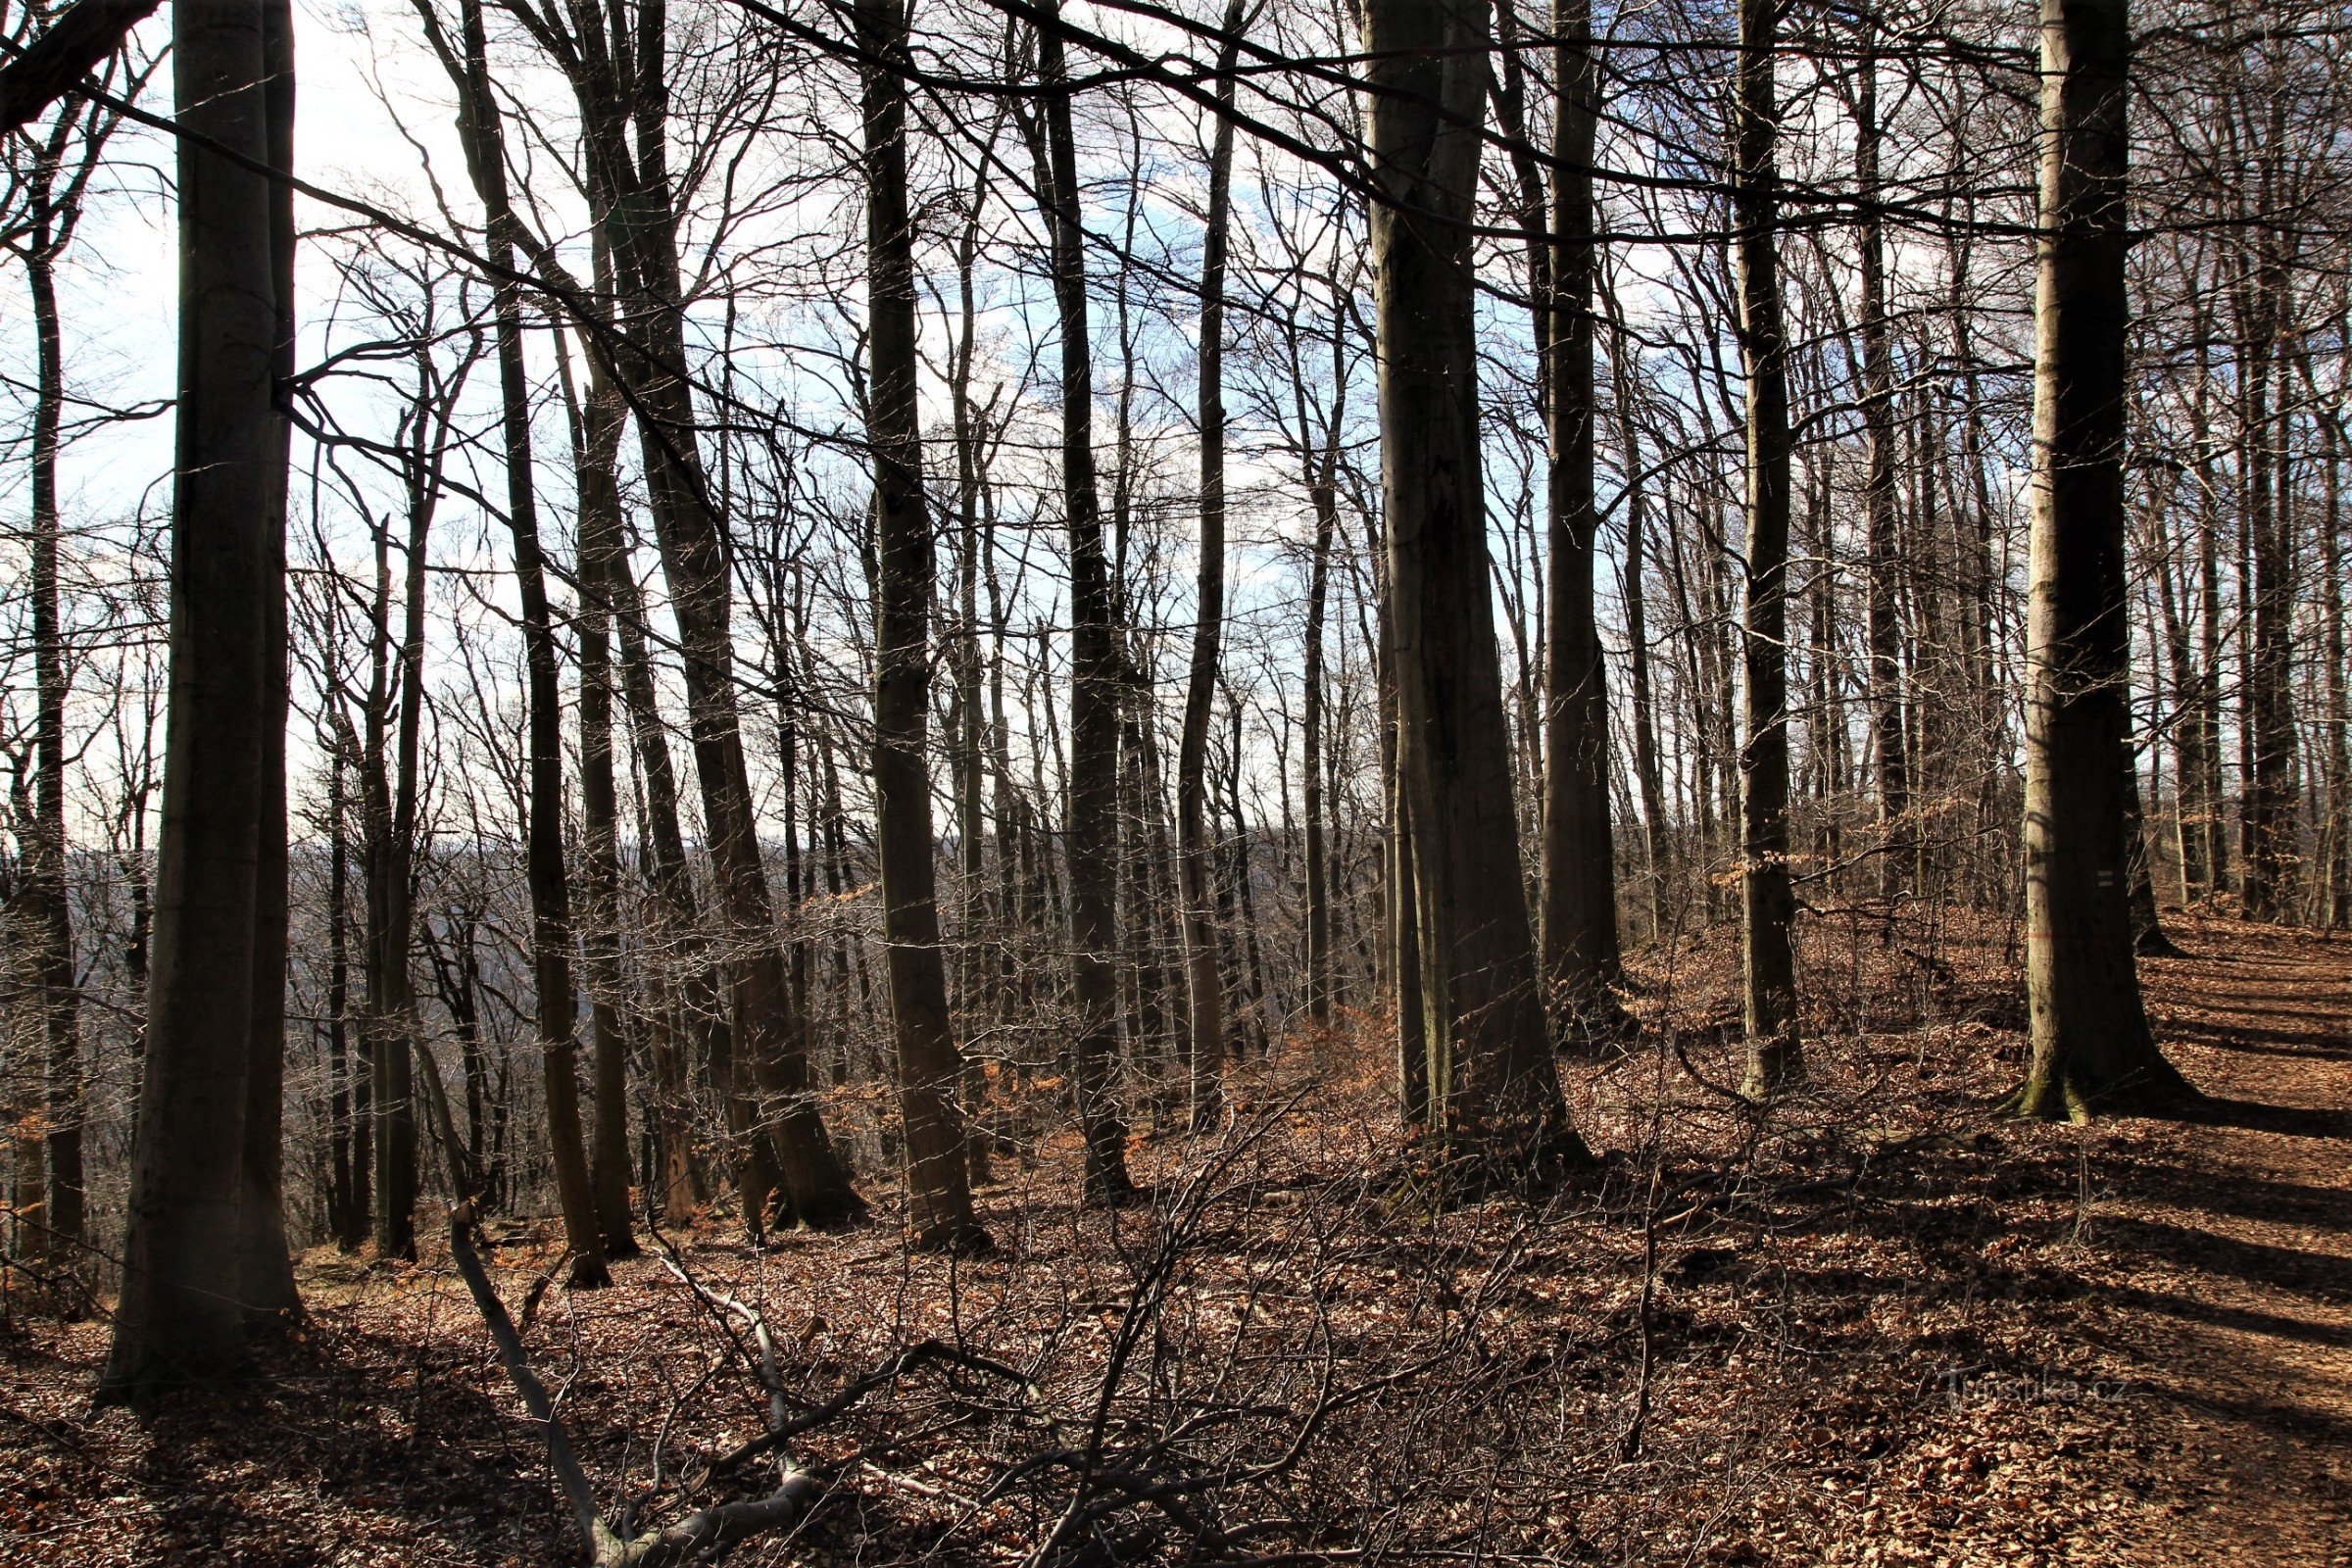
(2337, 826)
(1492, 1086)
(1323, 497)
(938, 1182)
(179, 1315)
(2093, 1050)
(1625, 371)
(1883, 556)
(2272, 832)
(50, 1217)
(264, 1265)
(2212, 792)
(676, 928)
(1205, 988)
(347, 1212)
(1767, 903)
(1091, 827)
(1579, 924)
(543, 858)
(391, 793)
(599, 564)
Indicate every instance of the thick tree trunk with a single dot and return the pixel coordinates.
(179, 1315)
(1767, 904)
(264, 1265)
(1579, 924)
(938, 1172)
(1091, 825)
(1493, 1090)
(2093, 1050)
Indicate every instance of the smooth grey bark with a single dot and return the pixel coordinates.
(264, 1263)
(1493, 1090)
(179, 1315)
(2093, 1048)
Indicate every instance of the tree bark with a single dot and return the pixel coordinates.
(1205, 988)
(1775, 1056)
(2093, 1050)
(179, 1315)
(1493, 1090)
(264, 1265)
(1091, 825)
(1880, 494)
(552, 930)
(938, 1178)
(1579, 924)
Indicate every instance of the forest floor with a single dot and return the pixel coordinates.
(1878, 1327)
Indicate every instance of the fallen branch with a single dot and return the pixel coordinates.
(706, 1530)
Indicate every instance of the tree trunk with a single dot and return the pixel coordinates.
(599, 564)
(1204, 987)
(1090, 825)
(1884, 558)
(1768, 966)
(50, 1217)
(2338, 825)
(938, 1173)
(179, 1315)
(545, 870)
(1580, 937)
(1493, 1090)
(642, 226)
(1636, 628)
(264, 1265)
(2093, 1048)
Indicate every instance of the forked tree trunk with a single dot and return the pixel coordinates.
(1492, 1090)
(641, 224)
(938, 1172)
(1768, 963)
(2093, 1050)
(179, 1315)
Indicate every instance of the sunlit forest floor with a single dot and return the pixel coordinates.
(1879, 1328)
